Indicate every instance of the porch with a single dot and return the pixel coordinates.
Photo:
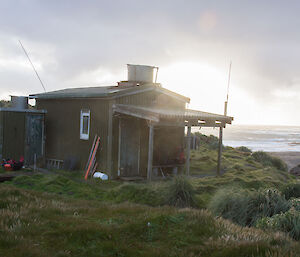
(151, 140)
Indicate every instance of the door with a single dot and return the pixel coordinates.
(34, 137)
(129, 147)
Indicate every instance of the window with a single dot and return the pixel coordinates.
(84, 124)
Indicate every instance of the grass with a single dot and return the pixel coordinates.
(245, 207)
(181, 193)
(37, 224)
(61, 214)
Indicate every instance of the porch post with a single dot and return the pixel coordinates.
(188, 151)
(109, 140)
(220, 151)
(119, 148)
(150, 152)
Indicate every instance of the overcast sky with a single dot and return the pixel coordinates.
(88, 43)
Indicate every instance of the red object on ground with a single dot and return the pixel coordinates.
(8, 167)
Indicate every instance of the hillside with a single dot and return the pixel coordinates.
(61, 214)
(39, 224)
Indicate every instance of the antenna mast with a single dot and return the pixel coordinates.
(226, 102)
(221, 128)
(33, 66)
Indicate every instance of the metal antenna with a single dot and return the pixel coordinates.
(32, 66)
(226, 102)
(221, 128)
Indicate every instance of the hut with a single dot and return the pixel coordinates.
(141, 125)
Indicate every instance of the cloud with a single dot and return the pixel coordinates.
(71, 42)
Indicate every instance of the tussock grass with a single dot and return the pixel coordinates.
(37, 224)
(245, 207)
(181, 193)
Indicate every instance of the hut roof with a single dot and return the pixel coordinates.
(107, 92)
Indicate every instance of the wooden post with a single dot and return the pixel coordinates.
(119, 148)
(220, 151)
(150, 152)
(188, 151)
(109, 140)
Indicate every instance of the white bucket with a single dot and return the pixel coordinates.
(100, 175)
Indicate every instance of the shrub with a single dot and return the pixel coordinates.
(211, 142)
(243, 149)
(230, 203)
(287, 222)
(295, 204)
(268, 160)
(181, 193)
(244, 207)
(266, 203)
(291, 190)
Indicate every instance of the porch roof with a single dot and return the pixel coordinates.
(174, 117)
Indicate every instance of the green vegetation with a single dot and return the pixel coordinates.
(61, 214)
(181, 193)
(245, 207)
(37, 224)
(268, 160)
(291, 190)
(287, 222)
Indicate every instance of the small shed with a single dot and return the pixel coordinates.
(141, 124)
(21, 132)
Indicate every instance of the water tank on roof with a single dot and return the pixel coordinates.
(140, 73)
(19, 102)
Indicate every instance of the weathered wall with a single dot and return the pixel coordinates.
(13, 134)
(1, 135)
(62, 129)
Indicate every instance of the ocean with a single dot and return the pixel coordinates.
(259, 138)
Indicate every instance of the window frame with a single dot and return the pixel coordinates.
(85, 113)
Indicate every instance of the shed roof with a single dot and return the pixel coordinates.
(107, 92)
(181, 117)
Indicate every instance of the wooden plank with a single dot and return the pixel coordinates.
(188, 151)
(93, 145)
(92, 158)
(150, 152)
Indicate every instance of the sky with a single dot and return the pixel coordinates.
(88, 43)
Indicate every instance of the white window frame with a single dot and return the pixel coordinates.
(85, 113)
